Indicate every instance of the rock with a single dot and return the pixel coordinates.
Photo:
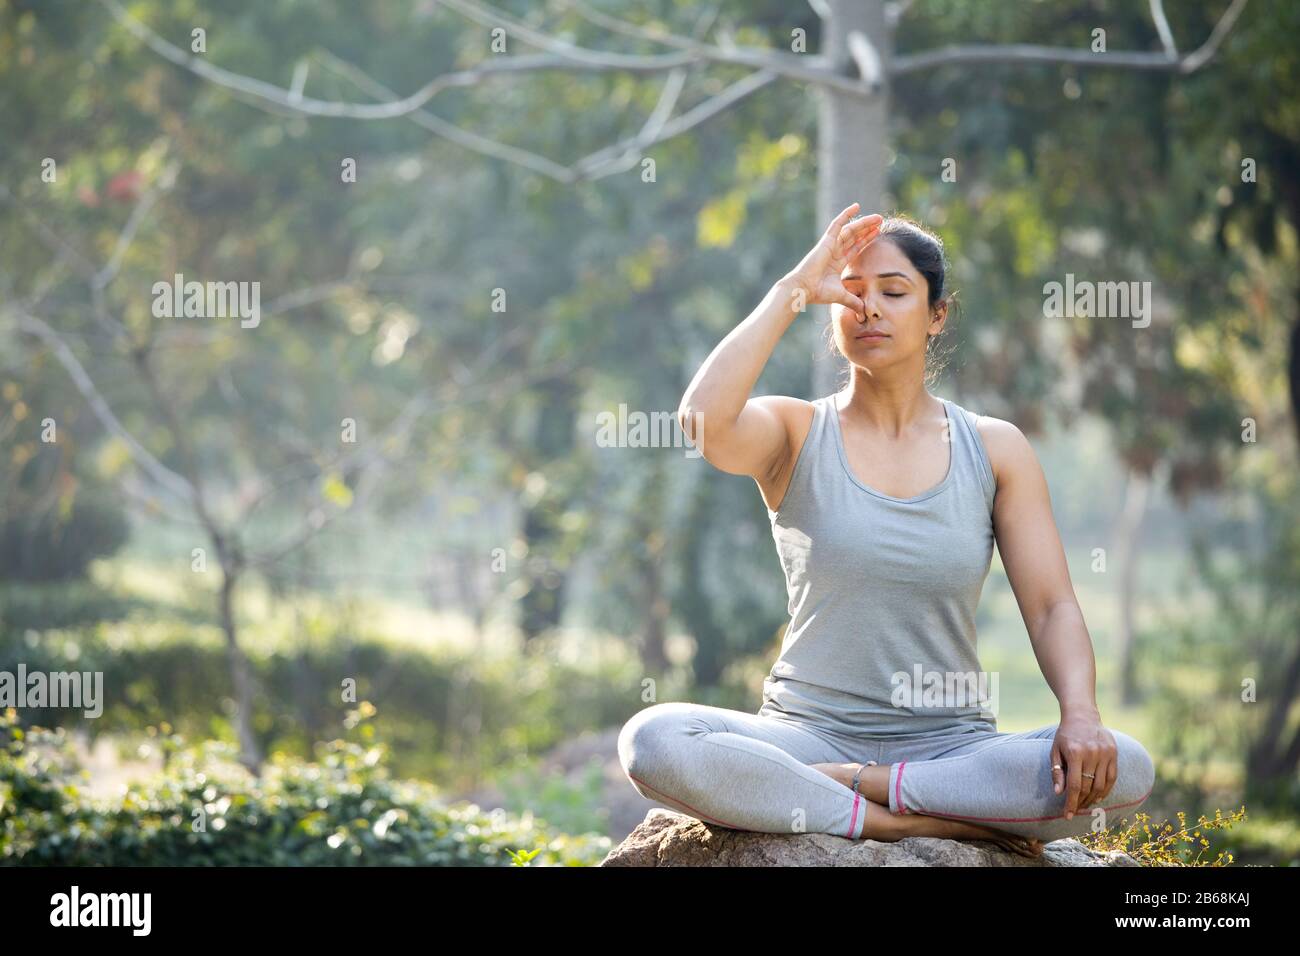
(667, 838)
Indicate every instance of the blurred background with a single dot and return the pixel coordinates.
(374, 579)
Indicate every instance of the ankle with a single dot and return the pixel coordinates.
(839, 772)
(881, 825)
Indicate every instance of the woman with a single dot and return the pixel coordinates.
(885, 503)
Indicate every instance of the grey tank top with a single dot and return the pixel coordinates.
(882, 592)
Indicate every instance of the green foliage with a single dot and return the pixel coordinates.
(342, 810)
(42, 606)
(1211, 695)
(437, 706)
(572, 808)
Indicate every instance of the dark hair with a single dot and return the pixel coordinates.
(924, 249)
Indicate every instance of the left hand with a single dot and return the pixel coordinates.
(1083, 746)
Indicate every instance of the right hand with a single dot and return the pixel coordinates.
(818, 275)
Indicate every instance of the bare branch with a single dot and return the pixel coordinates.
(151, 505)
(615, 158)
(105, 276)
(628, 152)
(624, 27)
(1162, 28)
(568, 57)
(449, 131)
(298, 82)
(791, 65)
(269, 91)
(157, 470)
(1210, 47)
(673, 86)
(601, 163)
(1030, 53)
(866, 57)
(292, 101)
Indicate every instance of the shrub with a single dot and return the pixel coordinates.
(206, 810)
(1165, 847)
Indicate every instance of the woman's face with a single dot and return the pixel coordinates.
(897, 321)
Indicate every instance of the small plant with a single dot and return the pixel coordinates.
(1165, 847)
(522, 857)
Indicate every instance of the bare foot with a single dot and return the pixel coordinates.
(1025, 846)
(882, 824)
(926, 825)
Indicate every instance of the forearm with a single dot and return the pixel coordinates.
(719, 390)
(1064, 651)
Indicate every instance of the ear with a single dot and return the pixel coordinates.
(940, 317)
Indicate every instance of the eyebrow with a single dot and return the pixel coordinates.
(882, 275)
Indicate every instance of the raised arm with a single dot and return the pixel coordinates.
(747, 436)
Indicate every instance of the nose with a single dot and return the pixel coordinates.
(870, 307)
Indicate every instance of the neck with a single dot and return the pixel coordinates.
(892, 405)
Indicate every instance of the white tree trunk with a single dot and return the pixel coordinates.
(852, 138)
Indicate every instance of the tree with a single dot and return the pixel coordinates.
(856, 77)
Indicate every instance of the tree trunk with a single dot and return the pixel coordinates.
(1270, 766)
(1127, 555)
(241, 676)
(852, 133)
(465, 721)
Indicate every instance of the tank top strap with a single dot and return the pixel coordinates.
(969, 453)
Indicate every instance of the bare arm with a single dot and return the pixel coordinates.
(748, 436)
(1035, 561)
(737, 434)
(1034, 558)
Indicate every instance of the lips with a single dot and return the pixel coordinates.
(872, 335)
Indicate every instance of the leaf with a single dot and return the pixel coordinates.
(334, 490)
(720, 221)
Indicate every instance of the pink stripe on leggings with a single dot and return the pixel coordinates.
(1059, 816)
(857, 798)
(898, 788)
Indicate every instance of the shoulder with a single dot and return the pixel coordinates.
(1009, 451)
(796, 414)
(784, 404)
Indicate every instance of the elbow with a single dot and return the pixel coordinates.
(688, 417)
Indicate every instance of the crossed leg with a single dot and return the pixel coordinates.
(737, 770)
(1003, 781)
(763, 773)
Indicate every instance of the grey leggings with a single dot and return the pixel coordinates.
(750, 772)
